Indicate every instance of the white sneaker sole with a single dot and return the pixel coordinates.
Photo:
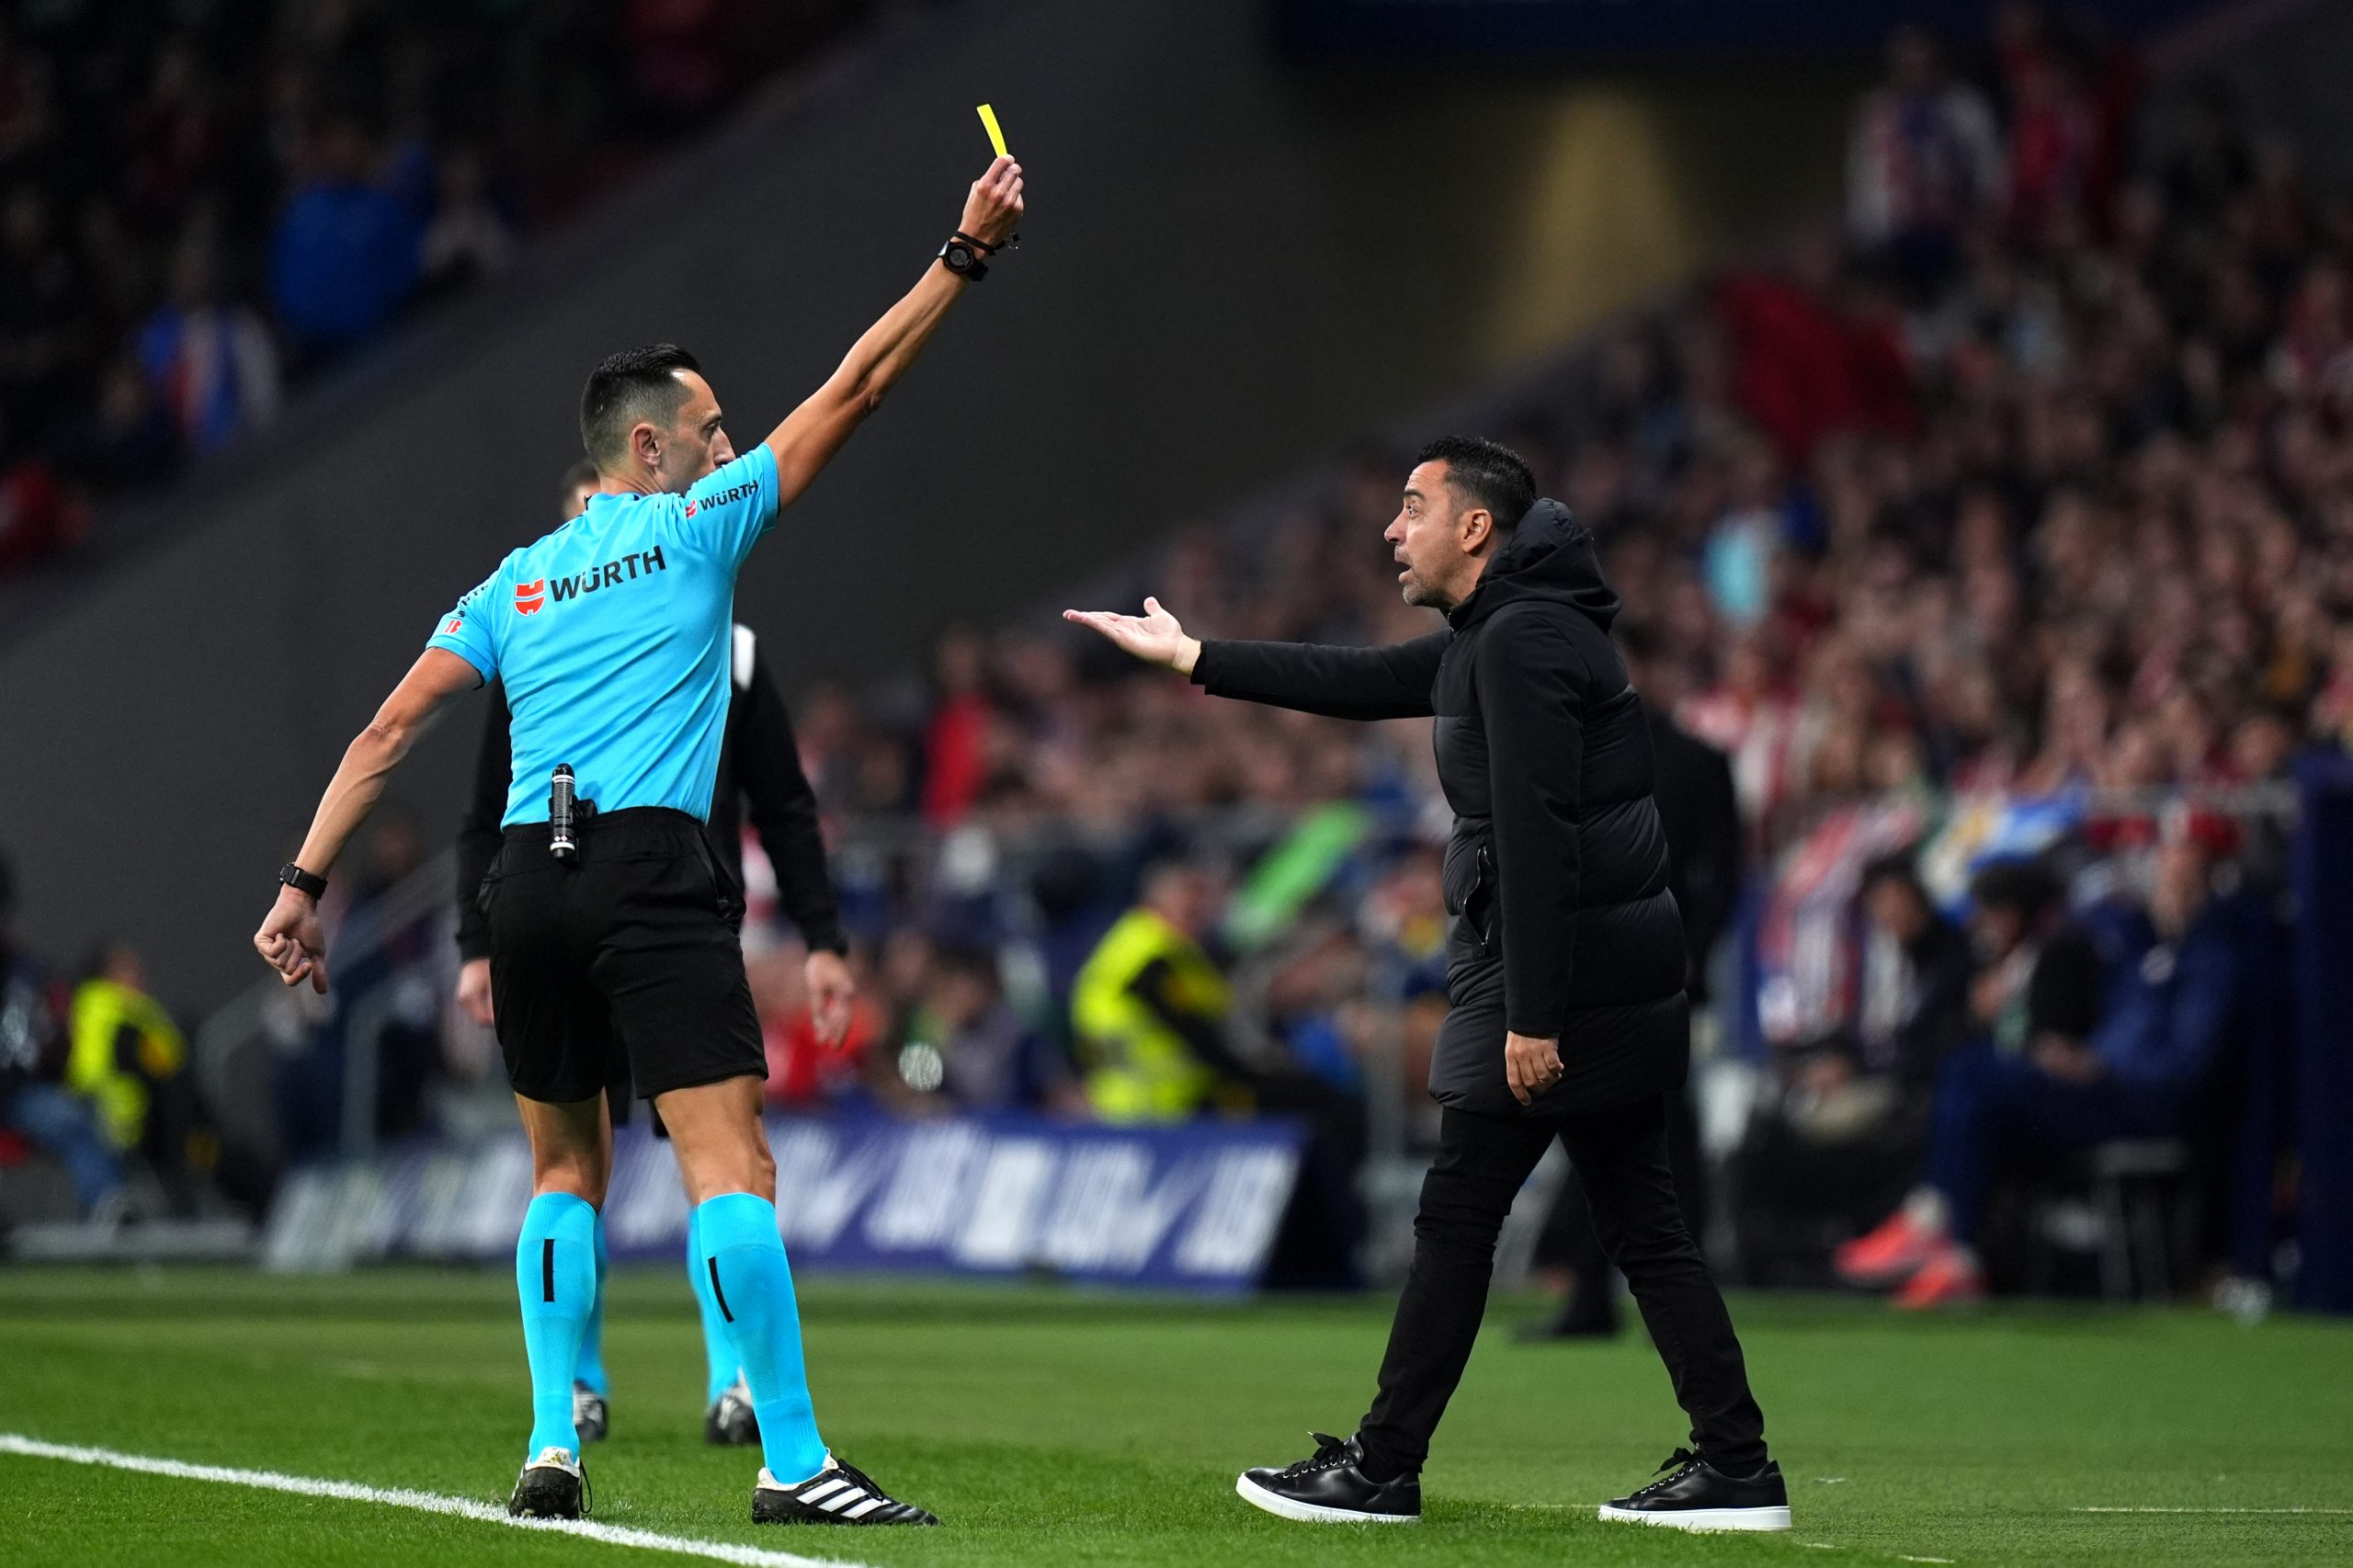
(1258, 1496)
(1702, 1519)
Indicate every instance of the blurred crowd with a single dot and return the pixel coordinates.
(2040, 476)
(200, 203)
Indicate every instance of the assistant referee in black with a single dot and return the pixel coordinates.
(1565, 971)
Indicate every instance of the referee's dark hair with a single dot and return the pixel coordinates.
(635, 384)
(1487, 474)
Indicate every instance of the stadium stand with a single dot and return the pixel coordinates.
(2071, 515)
(200, 203)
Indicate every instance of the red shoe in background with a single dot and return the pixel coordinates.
(1951, 1278)
(1889, 1255)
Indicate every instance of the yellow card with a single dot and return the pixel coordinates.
(997, 137)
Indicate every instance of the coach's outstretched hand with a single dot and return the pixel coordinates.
(293, 941)
(1155, 636)
(993, 210)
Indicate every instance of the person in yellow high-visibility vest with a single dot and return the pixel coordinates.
(128, 1059)
(1149, 1007)
(123, 1044)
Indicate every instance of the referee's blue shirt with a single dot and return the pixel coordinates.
(613, 635)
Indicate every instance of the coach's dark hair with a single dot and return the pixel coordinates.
(1490, 474)
(635, 384)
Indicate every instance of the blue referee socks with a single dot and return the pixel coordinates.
(717, 1353)
(751, 1284)
(590, 1368)
(556, 1274)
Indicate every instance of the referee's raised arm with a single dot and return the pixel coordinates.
(813, 432)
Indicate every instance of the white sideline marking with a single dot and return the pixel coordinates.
(2157, 1510)
(424, 1502)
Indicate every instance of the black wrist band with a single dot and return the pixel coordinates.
(300, 881)
(976, 243)
(963, 258)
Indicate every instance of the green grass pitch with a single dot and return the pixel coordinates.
(1050, 1426)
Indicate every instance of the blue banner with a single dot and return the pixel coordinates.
(1192, 1207)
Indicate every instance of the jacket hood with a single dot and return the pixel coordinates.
(1549, 556)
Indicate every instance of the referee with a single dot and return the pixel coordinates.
(759, 764)
(1565, 970)
(613, 637)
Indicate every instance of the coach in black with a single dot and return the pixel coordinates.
(1565, 972)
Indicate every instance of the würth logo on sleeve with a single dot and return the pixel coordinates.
(725, 497)
(530, 596)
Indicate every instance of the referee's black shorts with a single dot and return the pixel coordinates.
(628, 955)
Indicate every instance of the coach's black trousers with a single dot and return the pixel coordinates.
(1620, 1158)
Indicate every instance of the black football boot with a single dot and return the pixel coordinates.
(552, 1486)
(837, 1495)
(589, 1413)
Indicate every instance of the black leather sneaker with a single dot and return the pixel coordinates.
(1327, 1487)
(838, 1495)
(552, 1486)
(1693, 1494)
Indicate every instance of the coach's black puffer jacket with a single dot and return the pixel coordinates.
(1557, 866)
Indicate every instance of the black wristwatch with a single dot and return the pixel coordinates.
(300, 881)
(962, 254)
